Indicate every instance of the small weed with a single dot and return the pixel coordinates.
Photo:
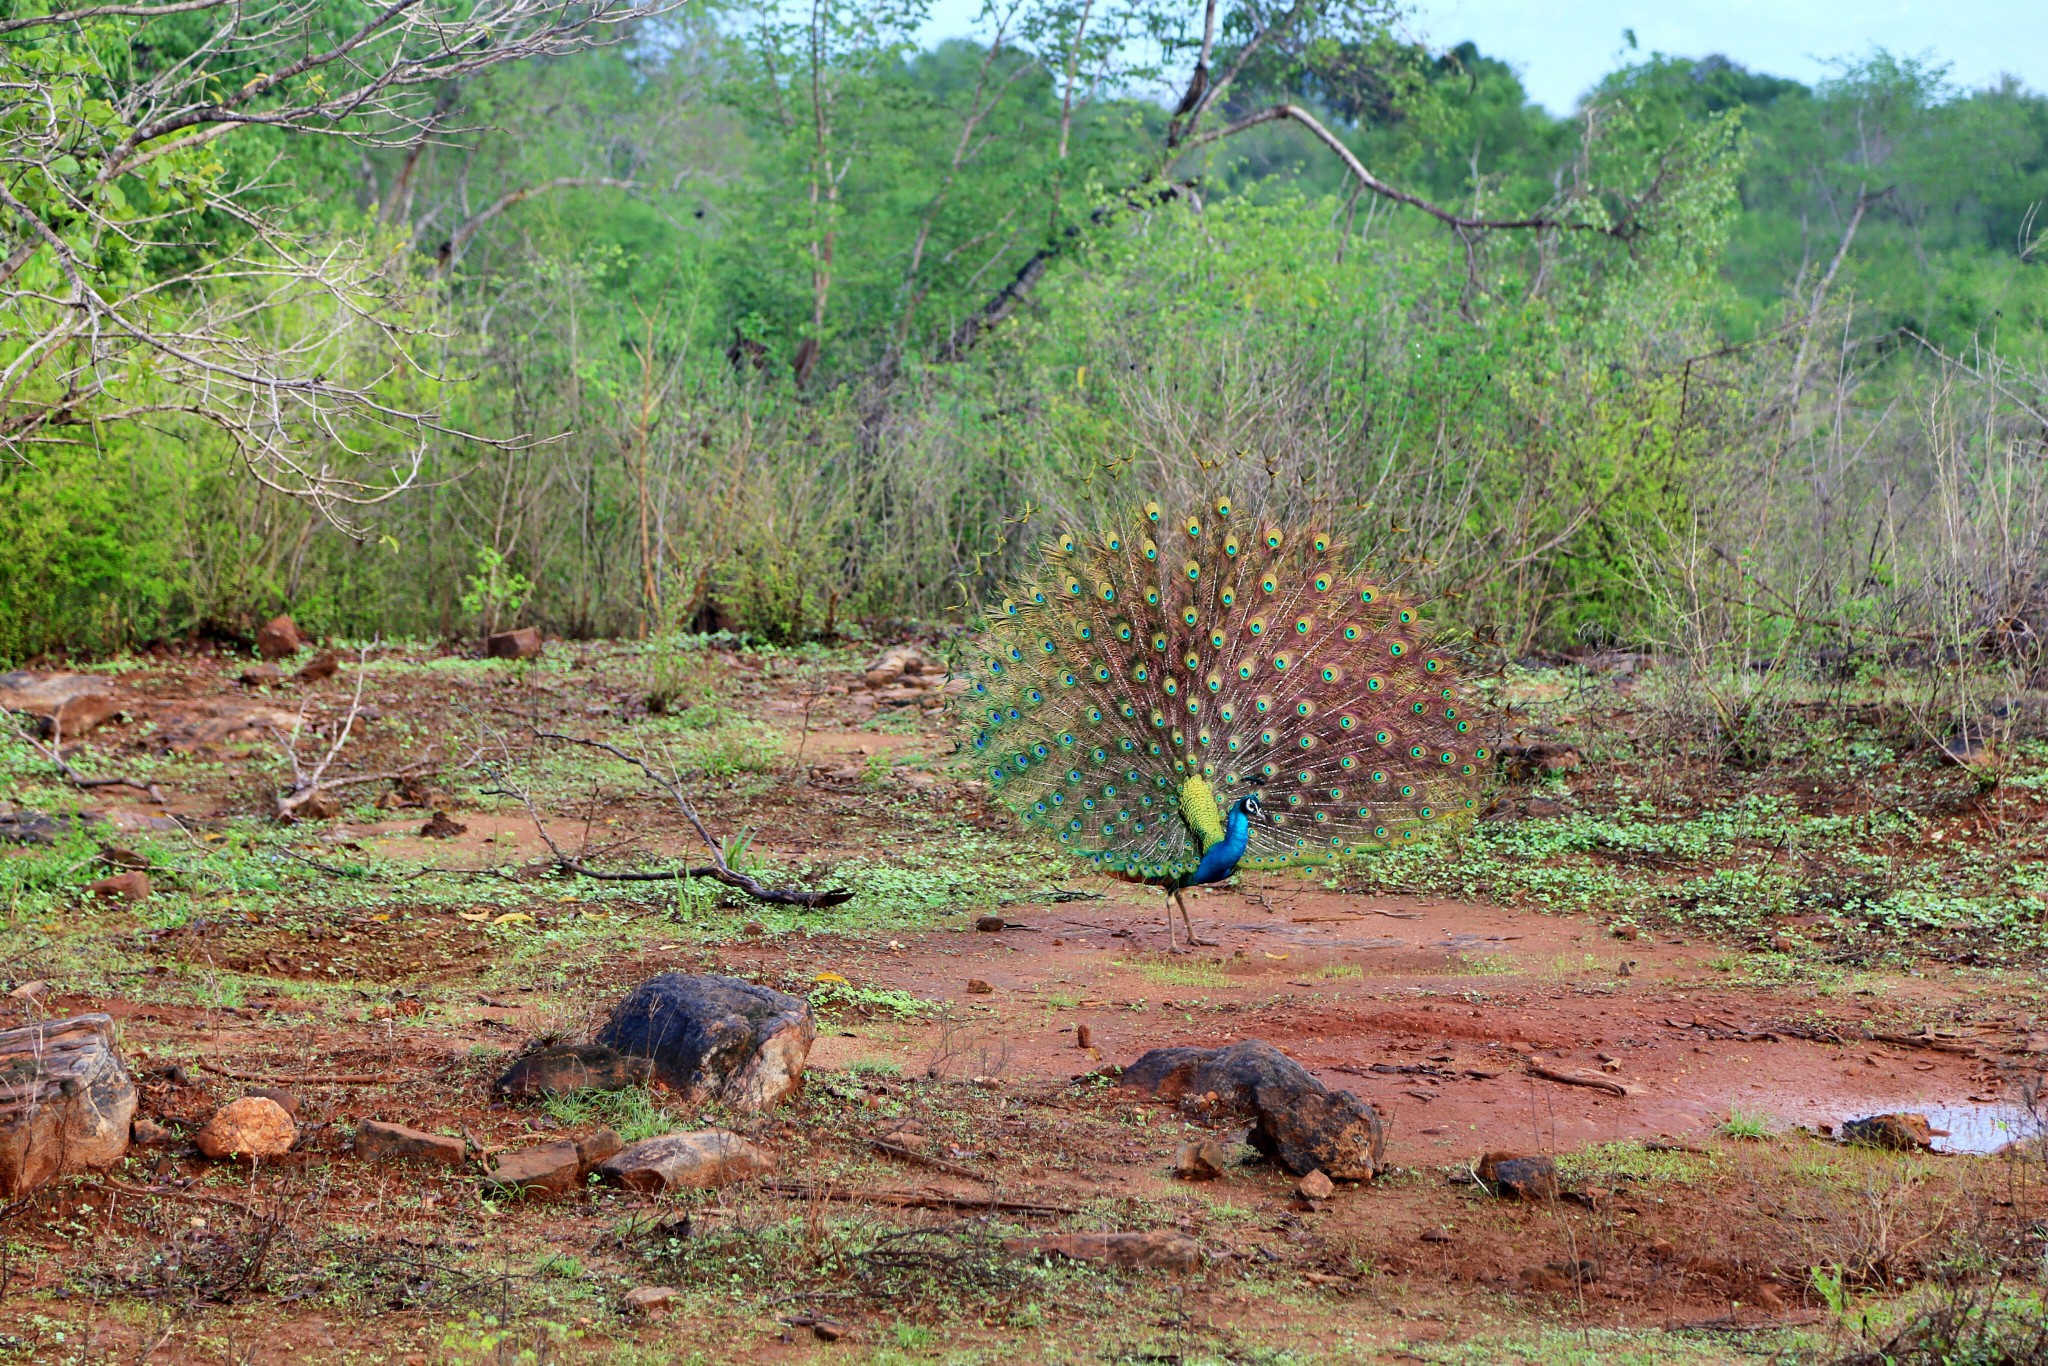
(1182, 974)
(832, 998)
(1748, 1125)
(632, 1113)
(1338, 972)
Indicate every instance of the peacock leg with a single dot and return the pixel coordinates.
(1193, 940)
(1171, 946)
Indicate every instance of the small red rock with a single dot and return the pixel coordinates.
(321, 666)
(377, 1141)
(278, 637)
(129, 886)
(250, 1128)
(977, 987)
(523, 643)
(1316, 1186)
(551, 1169)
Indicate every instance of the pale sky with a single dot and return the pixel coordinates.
(1562, 47)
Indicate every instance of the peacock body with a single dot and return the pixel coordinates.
(1172, 700)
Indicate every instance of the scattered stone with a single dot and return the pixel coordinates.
(251, 1128)
(1968, 746)
(286, 1101)
(321, 806)
(34, 827)
(523, 643)
(30, 991)
(824, 1330)
(716, 1038)
(1084, 1037)
(1160, 1249)
(147, 1133)
(570, 1067)
(897, 666)
(1201, 1162)
(1297, 1121)
(377, 1141)
(187, 725)
(129, 886)
(551, 1169)
(1435, 1235)
(66, 1102)
(1516, 1177)
(977, 987)
(115, 856)
(320, 667)
(1316, 1186)
(442, 827)
(279, 637)
(1631, 933)
(1902, 1132)
(990, 924)
(1542, 1280)
(648, 1299)
(593, 1151)
(753, 929)
(705, 1160)
(260, 676)
(68, 703)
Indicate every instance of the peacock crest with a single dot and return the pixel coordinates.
(1147, 674)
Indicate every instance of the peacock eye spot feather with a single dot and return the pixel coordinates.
(1230, 546)
(1256, 627)
(1192, 660)
(1244, 671)
(1216, 640)
(1417, 708)
(1123, 632)
(1383, 737)
(1192, 526)
(1048, 646)
(1467, 770)
(1301, 625)
(1151, 512)
(1445, 694)
(1269, 583)
(1407, 791)
(1322, 543)
(1115, 544)
(1280, 663)
(1152, 596)
(1450, 713)
(1373, 685)
(1187, 616)
(1350, 633)
(1193, 570)
(1229, 597)
(1464, 726)
(1415, 751)
(1447, 758)
(1406, 616)
(1273, 538)
(1347, 762)
(1322, 583)
(1479, 754)
(1108, 593)
(1379, 775)
(1365, 595)
(1329, 675)
(1346, 722)
(1397, 649)
(1222, 507)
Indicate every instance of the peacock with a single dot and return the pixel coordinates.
(1176, 700)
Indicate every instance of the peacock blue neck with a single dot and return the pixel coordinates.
(1220, 859)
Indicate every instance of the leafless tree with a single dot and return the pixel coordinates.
(153, 264)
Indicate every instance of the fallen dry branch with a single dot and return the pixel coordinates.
(914, 1199)
(717, 871)
(301, 1078)
(883, 1145)
(1585, 1079)
(53, 752)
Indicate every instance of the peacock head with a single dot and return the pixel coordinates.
(1250, 804)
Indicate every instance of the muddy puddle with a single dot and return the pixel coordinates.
(1979, 1128)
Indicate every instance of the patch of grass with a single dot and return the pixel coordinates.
(1498, 963)
(1632, 1161)
(1172, 974)
(1338, 972)
(844, 998)
(1747, 1124)
(874, 1067)
(633, 1112)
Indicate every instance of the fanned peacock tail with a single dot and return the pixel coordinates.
(1146, 675)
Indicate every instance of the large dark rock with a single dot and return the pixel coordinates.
(715, 1038)
(1296, 1120)
(66, 1101)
